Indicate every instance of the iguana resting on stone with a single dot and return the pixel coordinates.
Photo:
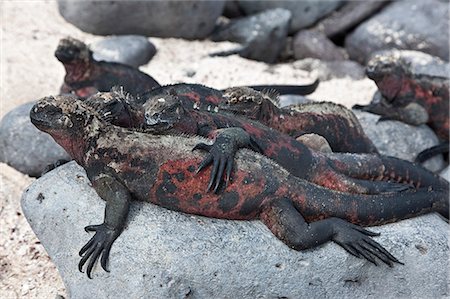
(125, 165)
(337, 124)
(170, 109)
(414, 88)
(86, 76)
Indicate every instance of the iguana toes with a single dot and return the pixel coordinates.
(414, 87)
(337, 124)
(167, 111)
(86, 76)
(125, 165)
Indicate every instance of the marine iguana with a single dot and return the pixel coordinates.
(125, 165)
(171, 109)
(86, 76)
(337, 124)
(414, 88)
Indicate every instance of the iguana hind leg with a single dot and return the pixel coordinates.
(288, 225)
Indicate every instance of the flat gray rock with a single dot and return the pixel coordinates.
(304, 13)
(397, 139)
(314, 44)
(262, 36)
(445, 173)
(133, 50)
(166, 254)
(184, 19)
(24, 147)
(408, 24)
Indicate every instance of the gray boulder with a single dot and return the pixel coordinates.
(24, 147)
(166, 254)
(411, 24)
(348, 16)
(397, 139)
(304, 13)
(262, 36)
(185, 19)
(327, 70)
(133, 50)
(314, 44)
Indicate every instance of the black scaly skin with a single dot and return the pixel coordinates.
(125, 165)
(175, 108)
(169, 114)
(86, 76)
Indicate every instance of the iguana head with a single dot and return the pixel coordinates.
(386, 70)
(117, 108)
(166, 112)
(250, 103)
(67, 119)
(72, 51)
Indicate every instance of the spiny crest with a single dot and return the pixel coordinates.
(272, 95)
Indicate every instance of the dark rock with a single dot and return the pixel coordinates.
(348, 16)
(262, 36)
(304, 13)
(327, 70)
(185, 19)
(166, 254)
(232, 9)
(413, 24)
(133, 50)
(24, 147)
(313, 44)
(397, 139)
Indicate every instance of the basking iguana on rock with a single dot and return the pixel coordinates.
(125, 165)
(414, 88)
(86, 76)
(337, 124)
(175, 109)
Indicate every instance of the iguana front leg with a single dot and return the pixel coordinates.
(288, 225)
(221, 153)
(117, 199)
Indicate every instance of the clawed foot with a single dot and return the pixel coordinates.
(99, 244)
(356, 240)
(222, 159)
(221, 155)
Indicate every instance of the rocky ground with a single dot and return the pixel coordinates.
(30, 32)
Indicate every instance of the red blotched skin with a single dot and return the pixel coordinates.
(124, 165)
(402, 90)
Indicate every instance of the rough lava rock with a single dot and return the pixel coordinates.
(133, 50)
(314, 44)
(327, 70)
(409, 24)
(24, 147)
(262, 36)
(184, 19)
(395, 138)
(348, 16)
(166, 254)
(304, 13)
